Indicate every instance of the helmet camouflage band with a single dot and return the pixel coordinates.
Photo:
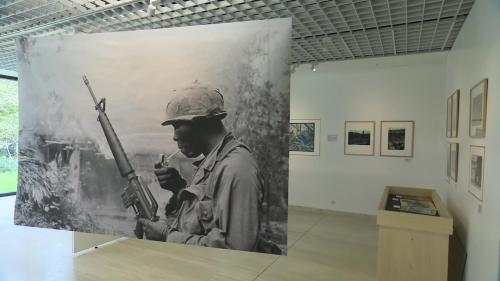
(195, 102)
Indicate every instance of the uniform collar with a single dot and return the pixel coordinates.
(209, 161)
(205, 166)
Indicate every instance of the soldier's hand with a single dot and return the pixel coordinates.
(154, 230)
(170, 179)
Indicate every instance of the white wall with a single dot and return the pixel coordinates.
(476, 55)
(391, 88)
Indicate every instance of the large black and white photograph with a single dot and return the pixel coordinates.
(476, 171)
(176, 135)
(359, 138)
(396, 138)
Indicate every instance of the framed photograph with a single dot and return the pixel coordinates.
(448, 117)
(448, 162)
(359, 138)
(478, 106)
(396, 138)
(453, 162)
(304, 137)
(476, 182)
(455, 107)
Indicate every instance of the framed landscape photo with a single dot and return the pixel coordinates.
(304, 137)
(455, 107)
(453, 162)
(476, 182)
(478, 106)
(396, 138)
(359, 138)
(448, 117)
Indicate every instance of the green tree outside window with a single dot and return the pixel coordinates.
(9, 125)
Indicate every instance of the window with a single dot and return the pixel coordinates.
(9, 124)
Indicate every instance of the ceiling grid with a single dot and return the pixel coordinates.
(323, 30)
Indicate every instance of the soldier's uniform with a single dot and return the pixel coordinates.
(222, 205)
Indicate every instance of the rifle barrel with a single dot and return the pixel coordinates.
(87, 83)
(137, 193)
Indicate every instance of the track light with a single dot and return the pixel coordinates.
(151, 10)
(152, 7)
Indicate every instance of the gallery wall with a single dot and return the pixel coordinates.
(391, 88)
(475, 56)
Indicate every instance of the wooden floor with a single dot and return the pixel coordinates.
(322, 246)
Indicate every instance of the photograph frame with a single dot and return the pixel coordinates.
(384, 139)
(355, 150)
(455, 113)
(448, 116)
(481, 85)
(317, 137)
(448, 162)
(454, 153)
(477, 191)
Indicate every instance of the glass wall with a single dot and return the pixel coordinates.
(9, 123)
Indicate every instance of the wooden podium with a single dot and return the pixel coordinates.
(413, 247)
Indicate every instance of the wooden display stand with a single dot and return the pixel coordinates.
(413, 247)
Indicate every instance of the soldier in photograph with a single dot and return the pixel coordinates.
(222, 205)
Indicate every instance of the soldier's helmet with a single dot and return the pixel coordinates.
(193, 103)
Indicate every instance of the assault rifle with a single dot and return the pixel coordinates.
(136, 194)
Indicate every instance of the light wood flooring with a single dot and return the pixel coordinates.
(321, 246)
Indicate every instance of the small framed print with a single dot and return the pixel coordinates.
(304, 137)
(476, 182)
(448, 117)
(396, 138)
(453, 162)
(455, 107)
(478, 106)
(359, 138)
(448, 162)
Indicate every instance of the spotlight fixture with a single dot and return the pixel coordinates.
(313, 66)
(324, 42)
(152, 7)
(151, 10)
